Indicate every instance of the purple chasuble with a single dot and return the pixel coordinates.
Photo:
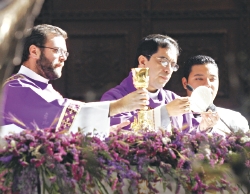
(186, 121)
(32, 104)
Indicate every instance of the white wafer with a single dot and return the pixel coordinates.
(201, 98)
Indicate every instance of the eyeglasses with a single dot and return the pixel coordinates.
(165, 62)
(57, 50)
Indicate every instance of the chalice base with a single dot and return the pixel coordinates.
(142, 123)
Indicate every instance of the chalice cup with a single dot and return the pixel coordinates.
(141, 80)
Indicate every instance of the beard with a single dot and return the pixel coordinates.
(46, 68)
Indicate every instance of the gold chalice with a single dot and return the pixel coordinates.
(141, 80)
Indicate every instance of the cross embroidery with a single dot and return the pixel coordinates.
(69, 116)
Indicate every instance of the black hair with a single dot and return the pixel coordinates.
(196, 60)
(149, 45)
(38, 36)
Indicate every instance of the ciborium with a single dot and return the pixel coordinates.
(142, 122)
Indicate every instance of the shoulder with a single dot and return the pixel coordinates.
(235, 119)
(114, 94)
(19, 81)
(119, 91)
(14, 78)
(227, 112)
(171, 94)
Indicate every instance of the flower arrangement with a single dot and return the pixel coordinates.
(46, 161)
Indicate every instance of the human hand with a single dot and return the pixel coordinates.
(178, 106)
(138, 99)
(209, 119)
(115, 128)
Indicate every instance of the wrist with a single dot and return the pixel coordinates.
(116, 107)
(168, 110)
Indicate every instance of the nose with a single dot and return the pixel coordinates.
(168, 68)
(62, 58)
(208, 83)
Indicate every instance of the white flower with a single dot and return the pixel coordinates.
(3, 143)
(13, 143)
(244, 139)
(207, 152)
(166, 140)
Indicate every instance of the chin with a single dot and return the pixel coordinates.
(163, 84)
(55, 76)
(58, 73)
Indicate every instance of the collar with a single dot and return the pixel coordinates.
(31, 74)
(154, 95)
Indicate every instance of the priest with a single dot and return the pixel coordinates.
(159, 53)
(30, 102)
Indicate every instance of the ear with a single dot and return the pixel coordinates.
(184, 82)
(142, 61)
(35, 52)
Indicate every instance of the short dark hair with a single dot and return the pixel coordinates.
(149, 45)
(196, 60)
(38, 36)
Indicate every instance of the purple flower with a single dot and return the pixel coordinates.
(23, 163)
(6, 159)
(52, 179)
(247, 163)
(37, 162)
(29, 137)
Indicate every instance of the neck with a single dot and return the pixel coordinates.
(30, 65)
(34, 67)
(152, 90)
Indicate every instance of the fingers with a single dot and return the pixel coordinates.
(138, 99)
(123, 124)
(183, 104)
(142, 94)
(186, 103)
(210, 115)
(141, 99)
(142, 90)
(210, 118)
(143, 107)
(186, 106)
(115, 128)
(178, 106)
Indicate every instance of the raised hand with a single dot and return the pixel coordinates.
(178, 106)
(114, 128)
(138, 99)
(209, 119)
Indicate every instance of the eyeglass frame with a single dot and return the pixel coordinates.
(174, 67)
(57, 49)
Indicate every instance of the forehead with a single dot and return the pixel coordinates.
(204, 69)
(56, 41)
(170, 53)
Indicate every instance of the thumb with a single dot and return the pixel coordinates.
(123, 124)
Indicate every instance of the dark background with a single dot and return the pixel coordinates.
(104, 34)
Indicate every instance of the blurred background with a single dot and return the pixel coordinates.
(104, 34)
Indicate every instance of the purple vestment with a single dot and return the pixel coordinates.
(187, 121)
(24, 105)
(30, 102)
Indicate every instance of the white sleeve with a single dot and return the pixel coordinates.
(93, 118)
(240, 123)
(235, 120)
